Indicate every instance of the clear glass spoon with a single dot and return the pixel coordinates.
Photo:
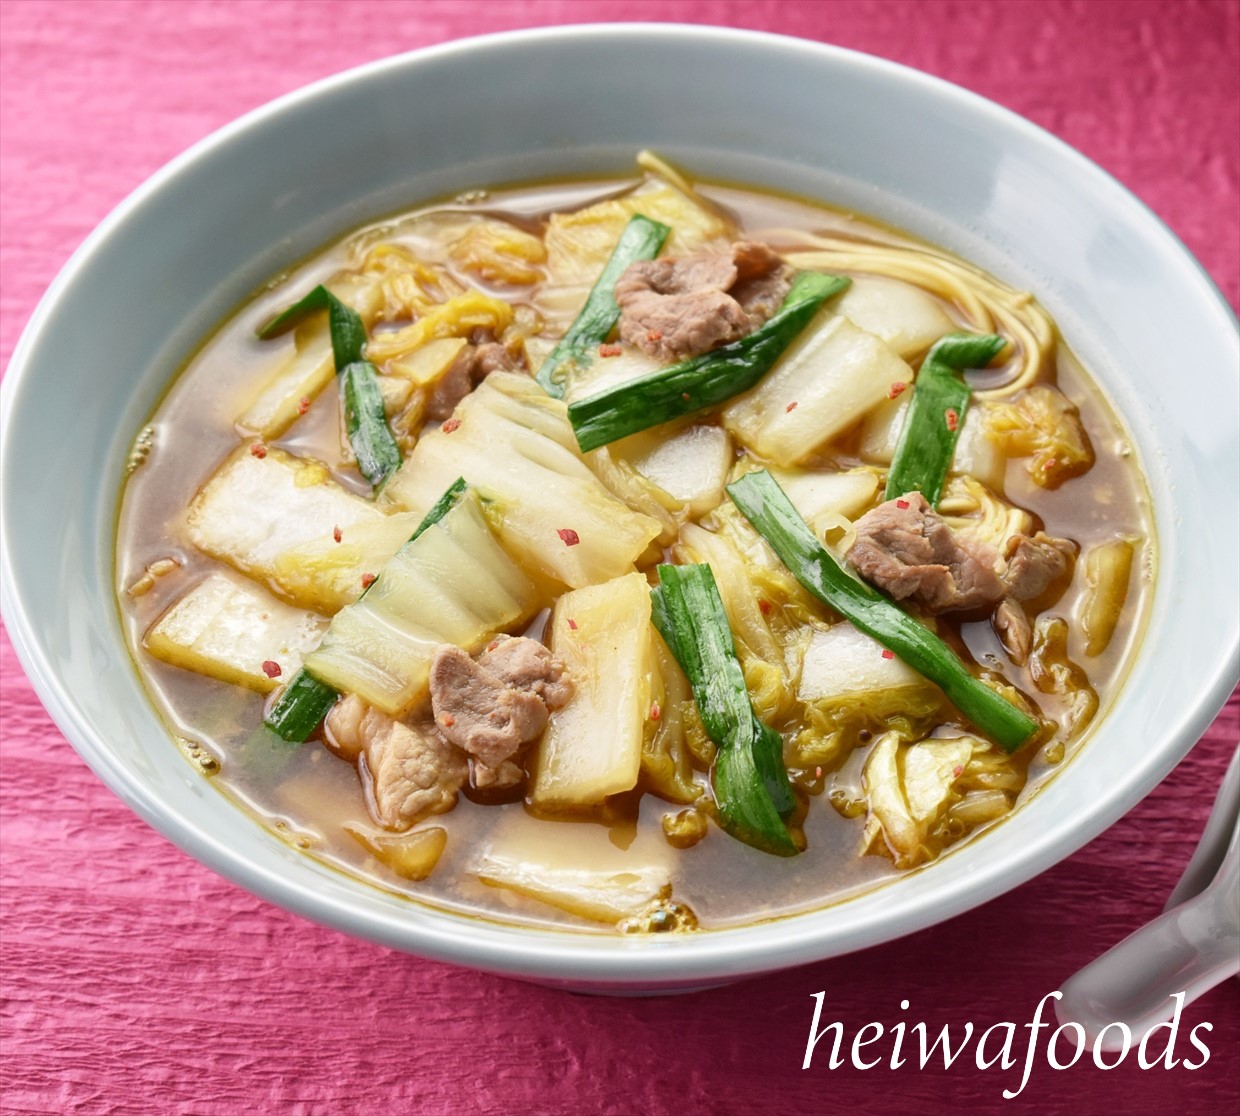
(1191, 947)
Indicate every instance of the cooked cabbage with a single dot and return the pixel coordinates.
(453, 584)
(575, 867)
(906, 317)
(826, 381)
(275, 518)
(550, 511)
(1043, 424)
(235, 631)
(592, 747)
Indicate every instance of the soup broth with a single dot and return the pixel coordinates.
(1041, 456)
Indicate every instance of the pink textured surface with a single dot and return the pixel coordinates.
(136, 981)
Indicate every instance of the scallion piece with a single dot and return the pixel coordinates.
(932, 425)
(441, 507)
(378, 456)
(764, 504)
(305, 701)
(701, 381)
(751, 785)
(347, 330)
(641, 239)
(301, 707)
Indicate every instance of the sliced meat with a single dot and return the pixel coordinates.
(413, 770)
(762, 280)
(905, 548)
(529, 665)
(474, 365)
(1011, 625)
(490, 357)
(508, 774)
(492, 713)
(677, 307)
(1034, 564)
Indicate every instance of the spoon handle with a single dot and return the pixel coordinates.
(1188, 949)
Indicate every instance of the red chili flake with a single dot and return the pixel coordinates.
(887, 654)
(817, 772)
(447, 720)
(337, 534)
(568, 536)
(957, 771)
(1051, 462)
(653, 335)
(896, 389)
(368, 579)
(764, 606)
(450, 425)
(685, 396)
(493, 645)
(303, 404)
(902, 505)
(791, 407)
(572, 623)
(655, 712)
(271, 668)
(258, 450)
(953, 419)
(609, 350)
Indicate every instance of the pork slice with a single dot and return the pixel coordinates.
(905, 548)
(478, 711)
(1034, 564)
(508, 774)
(762, 280)
(413, 770)
(475, 363)
(1011, 625)
(529, 665)
(677, 307)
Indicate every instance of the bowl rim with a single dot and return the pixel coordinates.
(554, 955)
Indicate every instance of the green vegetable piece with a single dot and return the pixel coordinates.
(305, 700)
(704, 380)
(347, 330)
(441, 507)
(751, 785)
(764, 504)
(641, 239)
(300, 708)
(932, 425)
(378, 455)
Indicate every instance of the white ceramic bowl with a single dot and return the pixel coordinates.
(175, 258)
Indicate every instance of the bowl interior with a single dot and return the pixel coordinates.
(188, 247)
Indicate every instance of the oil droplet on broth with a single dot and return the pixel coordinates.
(199, 755)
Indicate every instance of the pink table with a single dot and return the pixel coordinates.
(136, 981)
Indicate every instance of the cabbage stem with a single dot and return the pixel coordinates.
(765, 505)
(751, 785)
(704, 380)
(305, 701)
(927, 440)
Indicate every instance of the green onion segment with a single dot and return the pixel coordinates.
(751, 785)
(704, 380)
(936, 413)
(378, 456)
(765, 505)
